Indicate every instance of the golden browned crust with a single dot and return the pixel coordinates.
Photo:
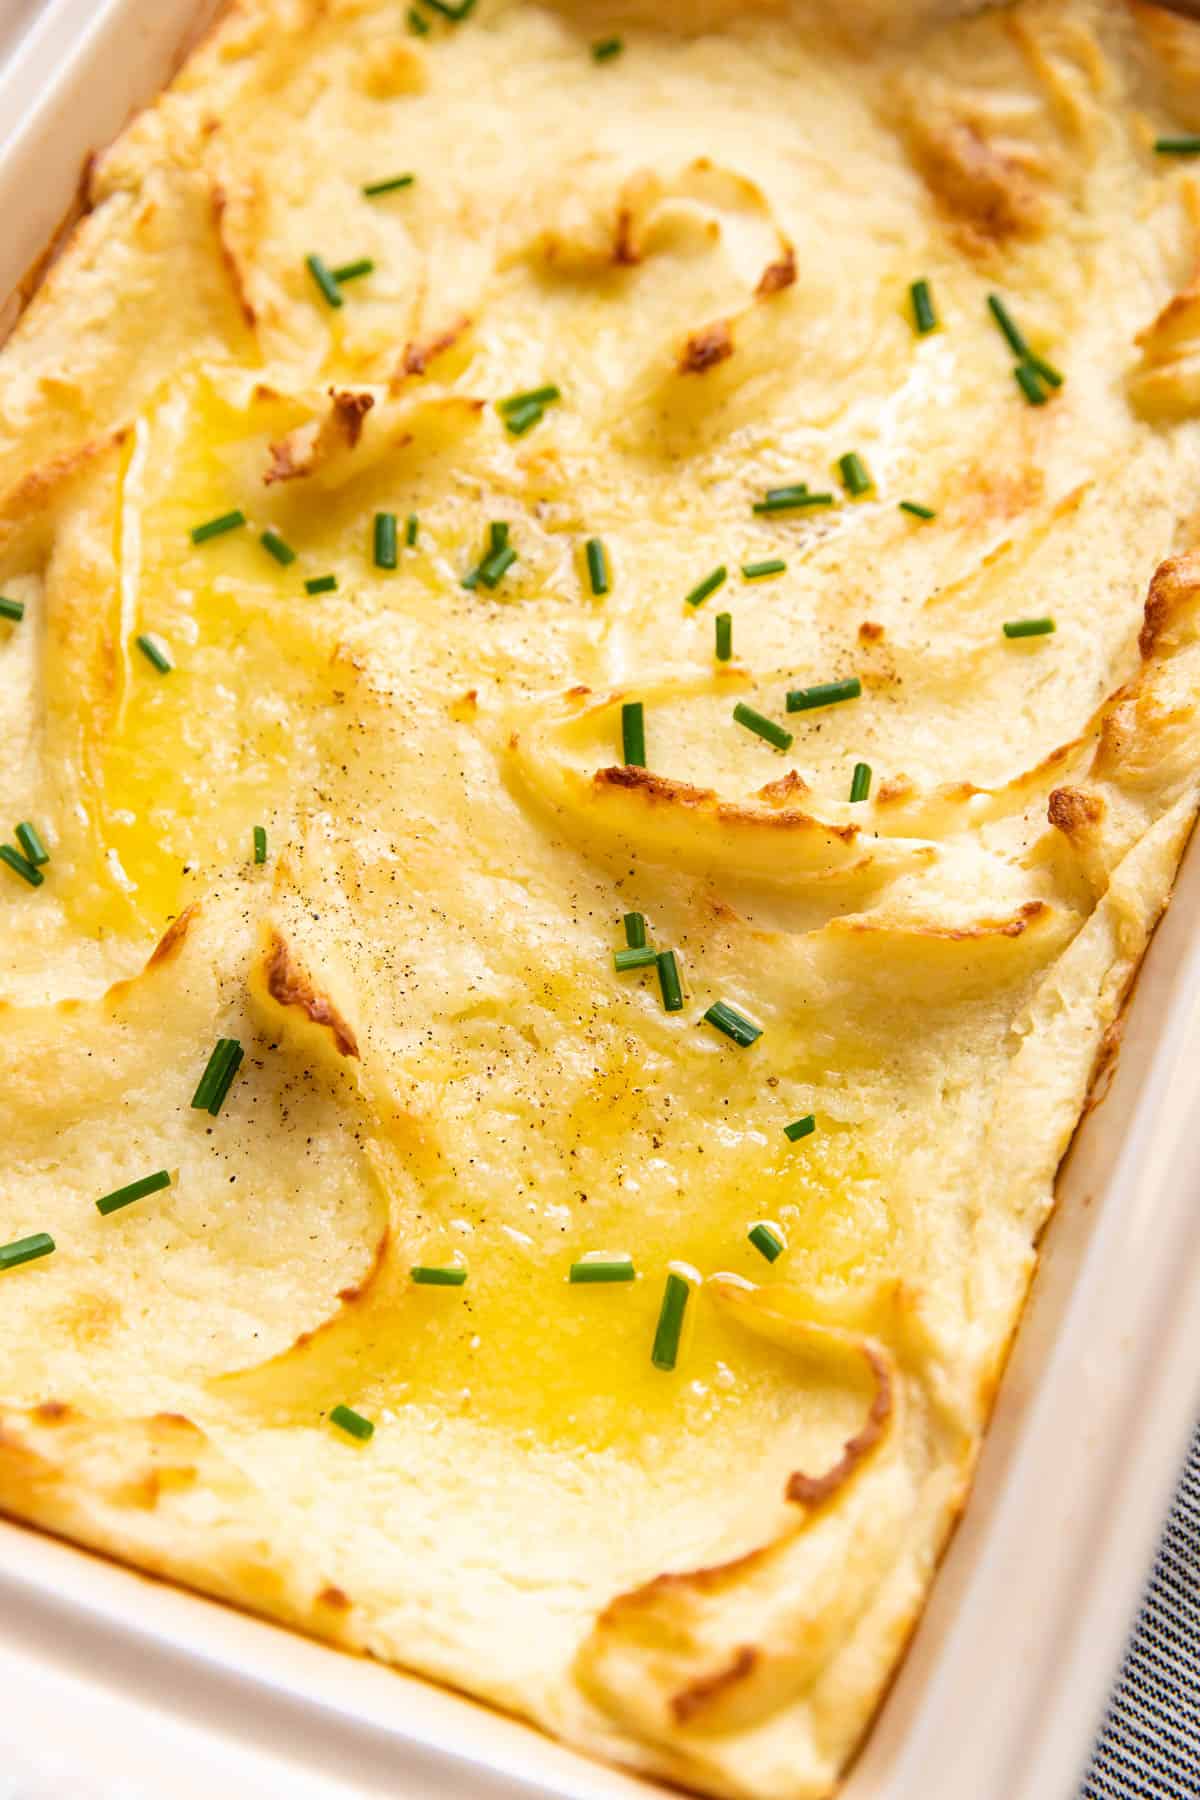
(52, 1412)
(1165, 383)
(981, 187)
(335, 1598)
(220, 203)
(420, 352)
(172, 940)
(788, 787)
(1144, 707)
(28, 500)
(814, 1490)
(290, 985)
(359, 1290)
(1031, 912)
(349, 411)
(660, 790)
(165, 951)
(699, 1694)
(303, 450)
(625, 252)
(777, 275)
(1107, 1057)
(705, 348)
(1173, 41)
(1171, 588)
(633, 779)
(1073, 811)
(147, 1489)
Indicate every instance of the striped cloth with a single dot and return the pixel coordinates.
(1149, 1745)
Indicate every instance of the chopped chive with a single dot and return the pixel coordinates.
(418, 25)
(767, 1241)
(498, 535)
(218, 1075)
(12, 609)
(633, 734)
(734, 1024)
(670, 985)
(276, 546)
(724, 645)
(636, 957)
(1048, 373)
(762, 727)
(322, 274)
(1030, 371)
(597, 562)
(602, 1268)
(1187, 145)
(800, 1128)
(390, 185)
(427, 1277)
(455, 14)
(21, 866)
(229, 1069)
(860, 785)
(352, 1423)
(217, 527)
(776, 499)
(385, 540)
(352, 270)
(519, 421)
(855, 477)
(154, 652)
(520, 411)
(260, 843)
(785, 499)
(823, 693)
(917, 510)
(542, 396)
(136, 1190)
(31, 843)
(774, 565)
(26, 1249)
(497, 564)
(1008, 326)
(320, 584)
(670, 1322)
(703, 589)
(1022, 628)
(223, 1052)
(412, 526)
(635, 930)
(924, 316)
(606, 48)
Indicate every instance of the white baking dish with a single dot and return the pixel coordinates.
(1002, 1691)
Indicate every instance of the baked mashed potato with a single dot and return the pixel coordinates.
(599, 671)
